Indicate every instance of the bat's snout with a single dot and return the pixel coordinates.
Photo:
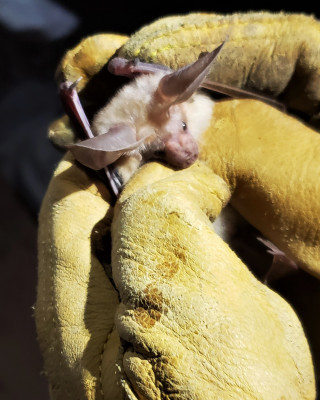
(181, 151)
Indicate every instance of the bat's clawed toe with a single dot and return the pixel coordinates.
(121, 171)
(115, 180)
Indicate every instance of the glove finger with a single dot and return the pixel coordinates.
(76, 301)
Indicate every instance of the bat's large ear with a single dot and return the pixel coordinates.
(100, 151)
(178, 86)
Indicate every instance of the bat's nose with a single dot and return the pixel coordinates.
(181, 151)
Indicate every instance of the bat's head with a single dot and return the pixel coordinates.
(159, 113)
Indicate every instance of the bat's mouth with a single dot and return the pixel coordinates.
(158, 155)
(115, 180)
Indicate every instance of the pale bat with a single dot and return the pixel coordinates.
(158, 113)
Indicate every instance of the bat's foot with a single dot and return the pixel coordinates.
(115, 180)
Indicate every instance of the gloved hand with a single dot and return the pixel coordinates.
(192, 321)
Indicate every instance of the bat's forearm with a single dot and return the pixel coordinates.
(72, 105)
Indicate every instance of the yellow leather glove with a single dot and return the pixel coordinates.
(192, 321)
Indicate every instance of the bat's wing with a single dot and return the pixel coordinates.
(132, 68)
(281, 266)
(232, 91)
(72, 105)
(100, 151)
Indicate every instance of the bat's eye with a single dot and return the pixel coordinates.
(184, 125)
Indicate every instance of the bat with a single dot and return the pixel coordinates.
(158, 113)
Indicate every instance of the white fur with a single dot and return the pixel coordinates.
(199, 111)
(131, 105)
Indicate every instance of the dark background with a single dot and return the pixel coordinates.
(34, 34)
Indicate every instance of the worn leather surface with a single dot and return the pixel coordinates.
(75, 300)
(196, 321)
(188, 306)
(272, 163)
